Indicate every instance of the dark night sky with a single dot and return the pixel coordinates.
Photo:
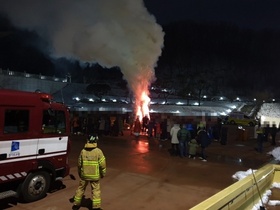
(255, 14)
(250, 50)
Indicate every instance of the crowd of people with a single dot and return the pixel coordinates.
(185, 141)
(102, 125)
(187, 144)
(150, 127)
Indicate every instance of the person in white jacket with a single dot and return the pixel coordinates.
(174, 140)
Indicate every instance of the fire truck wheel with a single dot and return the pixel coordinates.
(35, 186)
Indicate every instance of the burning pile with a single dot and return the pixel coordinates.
(142, 105)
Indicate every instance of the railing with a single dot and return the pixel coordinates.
(245, 193)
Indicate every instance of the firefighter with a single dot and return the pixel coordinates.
(91, 167)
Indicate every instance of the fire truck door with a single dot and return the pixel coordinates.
(52, 146)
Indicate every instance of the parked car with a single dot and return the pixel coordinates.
(239, 118)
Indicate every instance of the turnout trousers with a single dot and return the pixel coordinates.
(95, 192)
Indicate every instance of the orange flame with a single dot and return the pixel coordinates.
(141, 92)
(142, 106)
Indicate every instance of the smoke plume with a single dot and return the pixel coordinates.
(113, 33)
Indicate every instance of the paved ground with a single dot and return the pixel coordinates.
(142, 175)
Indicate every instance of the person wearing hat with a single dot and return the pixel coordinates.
(91, 167)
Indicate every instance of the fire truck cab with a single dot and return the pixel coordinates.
(34, 143)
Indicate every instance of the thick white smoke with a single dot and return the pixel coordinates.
(113, 33)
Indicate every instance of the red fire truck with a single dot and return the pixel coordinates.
(34, 143)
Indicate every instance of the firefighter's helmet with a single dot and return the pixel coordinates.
(92, 138)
